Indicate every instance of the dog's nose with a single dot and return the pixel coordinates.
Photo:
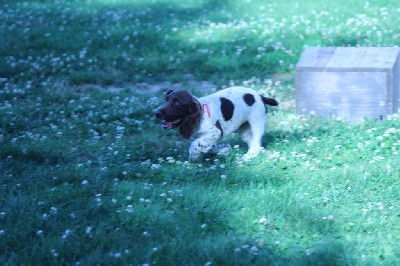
(159, 113)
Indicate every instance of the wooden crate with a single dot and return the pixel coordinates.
(348, 82)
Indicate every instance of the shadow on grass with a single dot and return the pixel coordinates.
(93, 29)
(228, 212)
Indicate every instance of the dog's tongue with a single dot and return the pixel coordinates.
(168, 125)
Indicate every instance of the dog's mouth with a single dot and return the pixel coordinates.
(170, 124)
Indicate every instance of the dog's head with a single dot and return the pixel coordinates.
(180, 109)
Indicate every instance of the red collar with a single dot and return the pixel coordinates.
(207, 108)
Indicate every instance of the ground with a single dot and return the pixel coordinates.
(87, 175)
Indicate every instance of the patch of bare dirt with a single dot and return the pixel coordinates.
(284, 77)
(150, 89)
(153, 88)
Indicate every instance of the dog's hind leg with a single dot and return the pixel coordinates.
(254, 135)
(245, 133)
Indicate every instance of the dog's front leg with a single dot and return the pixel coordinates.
(203, 144)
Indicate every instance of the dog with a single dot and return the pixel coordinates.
(210, 118)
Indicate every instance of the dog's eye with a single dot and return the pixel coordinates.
(176, 102)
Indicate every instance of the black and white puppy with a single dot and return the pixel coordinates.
(208, 119)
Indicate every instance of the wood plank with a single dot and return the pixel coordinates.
(349, 82)
(315, 58)
(346, 59)
(379, 59)
(395, 85)
(350, 95)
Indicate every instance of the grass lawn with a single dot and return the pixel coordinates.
(87, 175)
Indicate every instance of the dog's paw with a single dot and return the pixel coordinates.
(247, 157)
(250, 155)
(220, 149)
(194, 158)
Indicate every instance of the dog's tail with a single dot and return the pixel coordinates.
(269, 101)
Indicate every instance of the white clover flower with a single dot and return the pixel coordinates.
(85, 182)
(54, 253)
(155, 166)
(329, 217)
(391, 131)
(66, 234)
(88, 230)
(262, 220)
(129, 208)
(261, 49)
(254, 250)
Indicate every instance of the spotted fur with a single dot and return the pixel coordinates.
(249, 99)
(207, 119)
(227, 108)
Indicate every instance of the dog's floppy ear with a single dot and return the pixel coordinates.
(167, 94)
(190, 121)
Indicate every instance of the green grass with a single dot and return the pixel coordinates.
(87, 175)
